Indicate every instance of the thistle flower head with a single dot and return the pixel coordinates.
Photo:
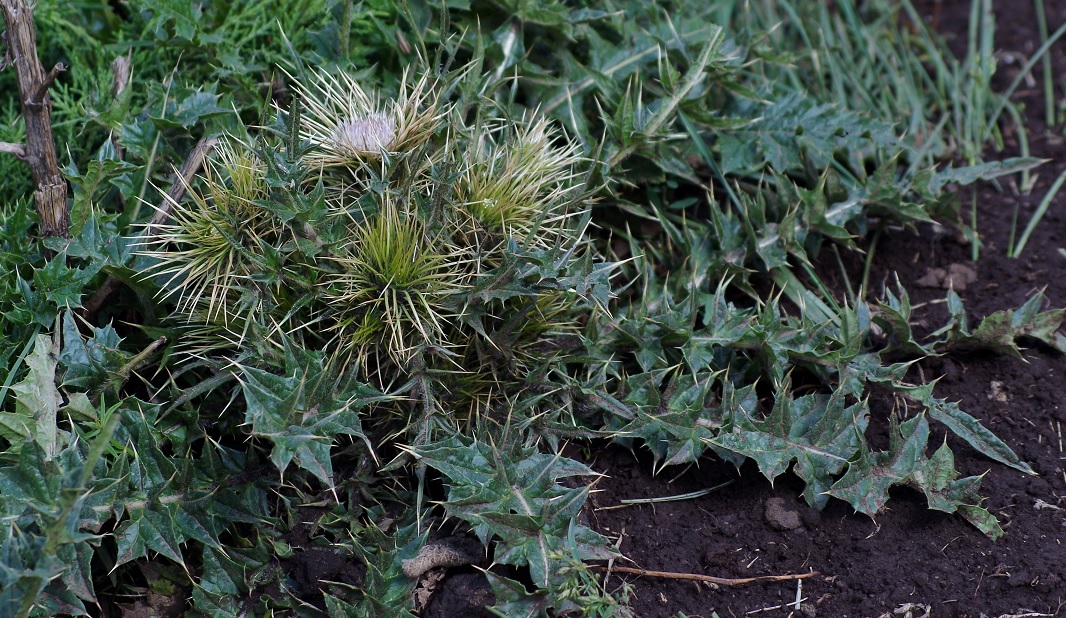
(521, 180)
(364, 136)
(346, 125)
(205, 251)
(394, 283)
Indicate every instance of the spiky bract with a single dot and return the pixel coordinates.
(521, 181)
(210, 246)
(346, 125)
(394, 282)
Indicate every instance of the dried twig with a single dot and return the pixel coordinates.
(722, 581)
(181, 183)
(120, 69)
(40, 150)
(16, 149)
(42, 88)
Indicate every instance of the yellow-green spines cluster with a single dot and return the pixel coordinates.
(209, 246)
(393, 281)
(518, 182)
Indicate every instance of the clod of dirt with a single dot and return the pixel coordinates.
(781, 518)
(956, 277)
(449, 552)
(1038, 487)
(462, 594)
(1020, 578)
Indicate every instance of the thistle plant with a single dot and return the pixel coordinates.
(394, 236)
(388, 270)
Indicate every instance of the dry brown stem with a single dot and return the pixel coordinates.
(16, 149)
(721, 581)
(120, 69)
(39, 152)
(181, 183)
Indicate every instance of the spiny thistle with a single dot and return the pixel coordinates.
(456, 267)
(209, 247)
(348, 126)
(396, 282)
(520, 182)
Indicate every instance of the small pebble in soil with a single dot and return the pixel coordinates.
(781, 518)
(727, 526)
(956, 277)
(997, 391)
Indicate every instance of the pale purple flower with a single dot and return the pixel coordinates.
(365, 134)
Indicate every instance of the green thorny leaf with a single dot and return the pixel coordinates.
(893, 315)
(172, 500)
(514, 496)
(795, 129)
(60, 284)
(999, 331)
(90, 363)
(675, 422)
(817, 432)
(37, 404)
(51, 506)
(962, 424)
(514, 601)
(865, 485)
(302, 412)
(182, 15)
(386, 590)
(41, 561)
(692, 388)
(228, 574)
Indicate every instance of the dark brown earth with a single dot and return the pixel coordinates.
(909, 555)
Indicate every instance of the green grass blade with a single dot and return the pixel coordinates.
(1041, 210)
